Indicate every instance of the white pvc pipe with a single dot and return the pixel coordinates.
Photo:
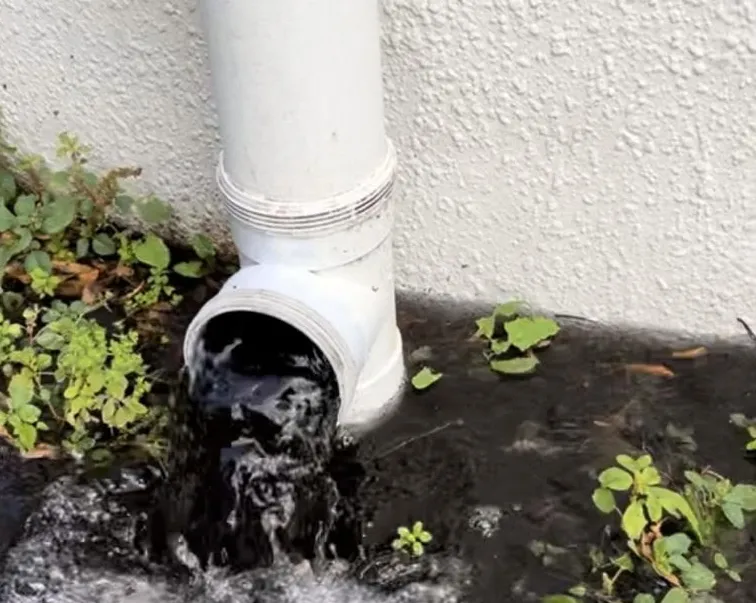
(306, 174)
(298, 88)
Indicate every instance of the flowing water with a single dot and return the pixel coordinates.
(256, 503)
(264, 500)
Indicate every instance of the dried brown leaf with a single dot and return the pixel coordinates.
(123, 271)
(43, 451)
(71, 267)
(657, 370)
(690, 353)
(16, 271)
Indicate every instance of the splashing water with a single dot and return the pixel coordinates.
(251, 509)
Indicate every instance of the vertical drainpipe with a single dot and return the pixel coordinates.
(306, 174)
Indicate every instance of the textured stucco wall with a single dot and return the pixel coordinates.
(594, 157)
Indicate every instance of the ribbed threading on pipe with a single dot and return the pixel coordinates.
(309, 218)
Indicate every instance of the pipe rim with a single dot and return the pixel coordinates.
(335, 348)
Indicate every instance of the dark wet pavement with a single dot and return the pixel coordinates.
(476, 445)
(490, 464)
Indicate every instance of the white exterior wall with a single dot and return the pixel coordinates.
(596, 157)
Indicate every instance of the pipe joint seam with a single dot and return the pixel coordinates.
(313, 217)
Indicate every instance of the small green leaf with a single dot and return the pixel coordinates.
(153, 252)
(116, 385)
(59, 214)
(578, 590)
(486, 326)
(86, 207)
(677, 544)
(695, 479)
(559, 599)
(515, 366)
(733, 575)
(676, 595)
(627, 462)
(108, 412)
(154, 211)
(90, 179)
(528, 331)
(29, 413)
(124, 203)
(22, 242)
(624, 562)
(38, 259)
(190, 269)
(699, 577)
(508, 309)
(740, 420)
(50, 340)
(59, 180)
(103, 245)
(425, 537)
(12, 301)
(403, 532)
(7, 219)
(634, 520)
(734, 514)
(82, 248)
(27, 435)
(500, 346)
(397, 544)
(676, 504)
(678, 561)
(615, 478)
(25, 205)
(720, 561)
(644, 598)
(654, 508)
(425, 377)
(604, 501)
(122, 417)
(743, 495)
(417, 549)
(202, 246)
(7, 187)
(650, 476)
(21, 389)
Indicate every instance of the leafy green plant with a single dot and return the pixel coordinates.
(51, 219)
(512, 338)
(412, 541)
(425, 377)
(68, 377)
(740, 420)
(43, 283)
(707, 503)
(715, 499)
(648, 506)
(49, 215)
(205, 264)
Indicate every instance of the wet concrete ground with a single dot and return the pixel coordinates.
(490, 464)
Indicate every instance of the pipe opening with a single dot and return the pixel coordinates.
(251, 351)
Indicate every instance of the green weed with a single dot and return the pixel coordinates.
(513, 338)
(412, 541)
